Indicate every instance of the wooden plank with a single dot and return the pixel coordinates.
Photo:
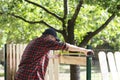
(46, 74)
(14, 60)
(17, 56)
(103, 65)
(50, 69)
(8, 63)
(112, 66)
(11, 65)
(117, 59)
(73, 60)
(21, 51)
(56, 69)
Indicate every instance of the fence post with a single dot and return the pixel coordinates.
(5, 63)
(89, 59)
(88, 64)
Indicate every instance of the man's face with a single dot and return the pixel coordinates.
(52, 37)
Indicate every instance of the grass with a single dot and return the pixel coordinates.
(1, 74)
(1, 70)
(64, 72)
(95, 75)
(95, 72)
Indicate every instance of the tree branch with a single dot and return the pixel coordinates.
(53, 14)
(65, 9)
(35, 22)
(19, 17)
(77, 10)
(104, 25)
(92, 34)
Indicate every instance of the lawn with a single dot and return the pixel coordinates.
(64, 72)
(95, 73)
(1, 70)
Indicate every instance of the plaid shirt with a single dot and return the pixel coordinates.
(35, 58)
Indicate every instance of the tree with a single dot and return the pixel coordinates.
(66, 15)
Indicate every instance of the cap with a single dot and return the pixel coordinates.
(52, 32)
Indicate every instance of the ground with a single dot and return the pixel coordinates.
(65, 72)
(1, 72)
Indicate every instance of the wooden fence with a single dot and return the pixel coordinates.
(110, 61)
(13, 54)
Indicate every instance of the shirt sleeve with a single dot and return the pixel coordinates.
(54, 45)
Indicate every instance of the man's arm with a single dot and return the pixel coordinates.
(78, 49)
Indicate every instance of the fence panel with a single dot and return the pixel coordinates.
(109, 60)
(14, 53)
(112, 65)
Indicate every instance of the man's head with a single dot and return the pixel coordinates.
(51, 32)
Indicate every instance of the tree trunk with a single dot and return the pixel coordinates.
(74, 72)
(74, 69)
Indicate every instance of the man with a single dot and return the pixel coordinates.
(35, 57)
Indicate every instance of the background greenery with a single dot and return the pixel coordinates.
(91, 17)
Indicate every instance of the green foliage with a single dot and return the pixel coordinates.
(90, 19)
(113, 6)
(92, 15)
(109, 35)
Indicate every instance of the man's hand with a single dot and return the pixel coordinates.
(89, 52)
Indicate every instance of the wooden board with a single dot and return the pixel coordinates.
(103, 65)
(112, 66)
(73, 60)
(117, 59)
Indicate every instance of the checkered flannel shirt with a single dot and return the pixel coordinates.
(35, 58)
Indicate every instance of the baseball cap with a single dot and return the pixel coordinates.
(52, 32)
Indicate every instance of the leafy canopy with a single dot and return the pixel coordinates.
(92, 15)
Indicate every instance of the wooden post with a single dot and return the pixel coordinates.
(5, 64)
